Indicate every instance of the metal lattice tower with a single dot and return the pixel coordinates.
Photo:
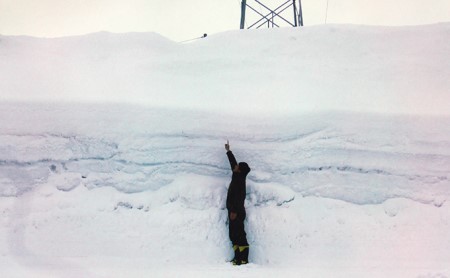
(268, 17)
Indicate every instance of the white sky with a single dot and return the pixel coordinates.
(186, 19)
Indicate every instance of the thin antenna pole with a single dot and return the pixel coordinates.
(326, 13)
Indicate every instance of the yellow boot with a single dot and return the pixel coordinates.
(236, 260)
(243, 252)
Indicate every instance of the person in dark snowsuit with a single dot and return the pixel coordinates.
(236, 210)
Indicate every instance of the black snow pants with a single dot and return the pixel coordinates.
(236, 229)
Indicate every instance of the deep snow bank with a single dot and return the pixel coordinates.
(102, 190)
(358, 68)
(116, 190)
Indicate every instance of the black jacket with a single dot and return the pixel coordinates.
(236, 190)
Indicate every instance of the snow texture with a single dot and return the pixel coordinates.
(112, 159)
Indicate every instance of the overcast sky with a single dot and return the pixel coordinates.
(185, 19)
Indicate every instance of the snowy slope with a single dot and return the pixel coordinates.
(93, 187)
(379, 69)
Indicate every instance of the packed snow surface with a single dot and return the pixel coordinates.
(112, 159)
(364, 69)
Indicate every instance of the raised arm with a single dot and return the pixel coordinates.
(230, 155)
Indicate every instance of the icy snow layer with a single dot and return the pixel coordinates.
(92, 190)
(135, 149)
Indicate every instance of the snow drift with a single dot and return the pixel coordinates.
(377, 69)
(112, 160)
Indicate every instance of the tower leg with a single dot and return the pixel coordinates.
(243, 6)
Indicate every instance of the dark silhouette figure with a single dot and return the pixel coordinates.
(236, 210)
